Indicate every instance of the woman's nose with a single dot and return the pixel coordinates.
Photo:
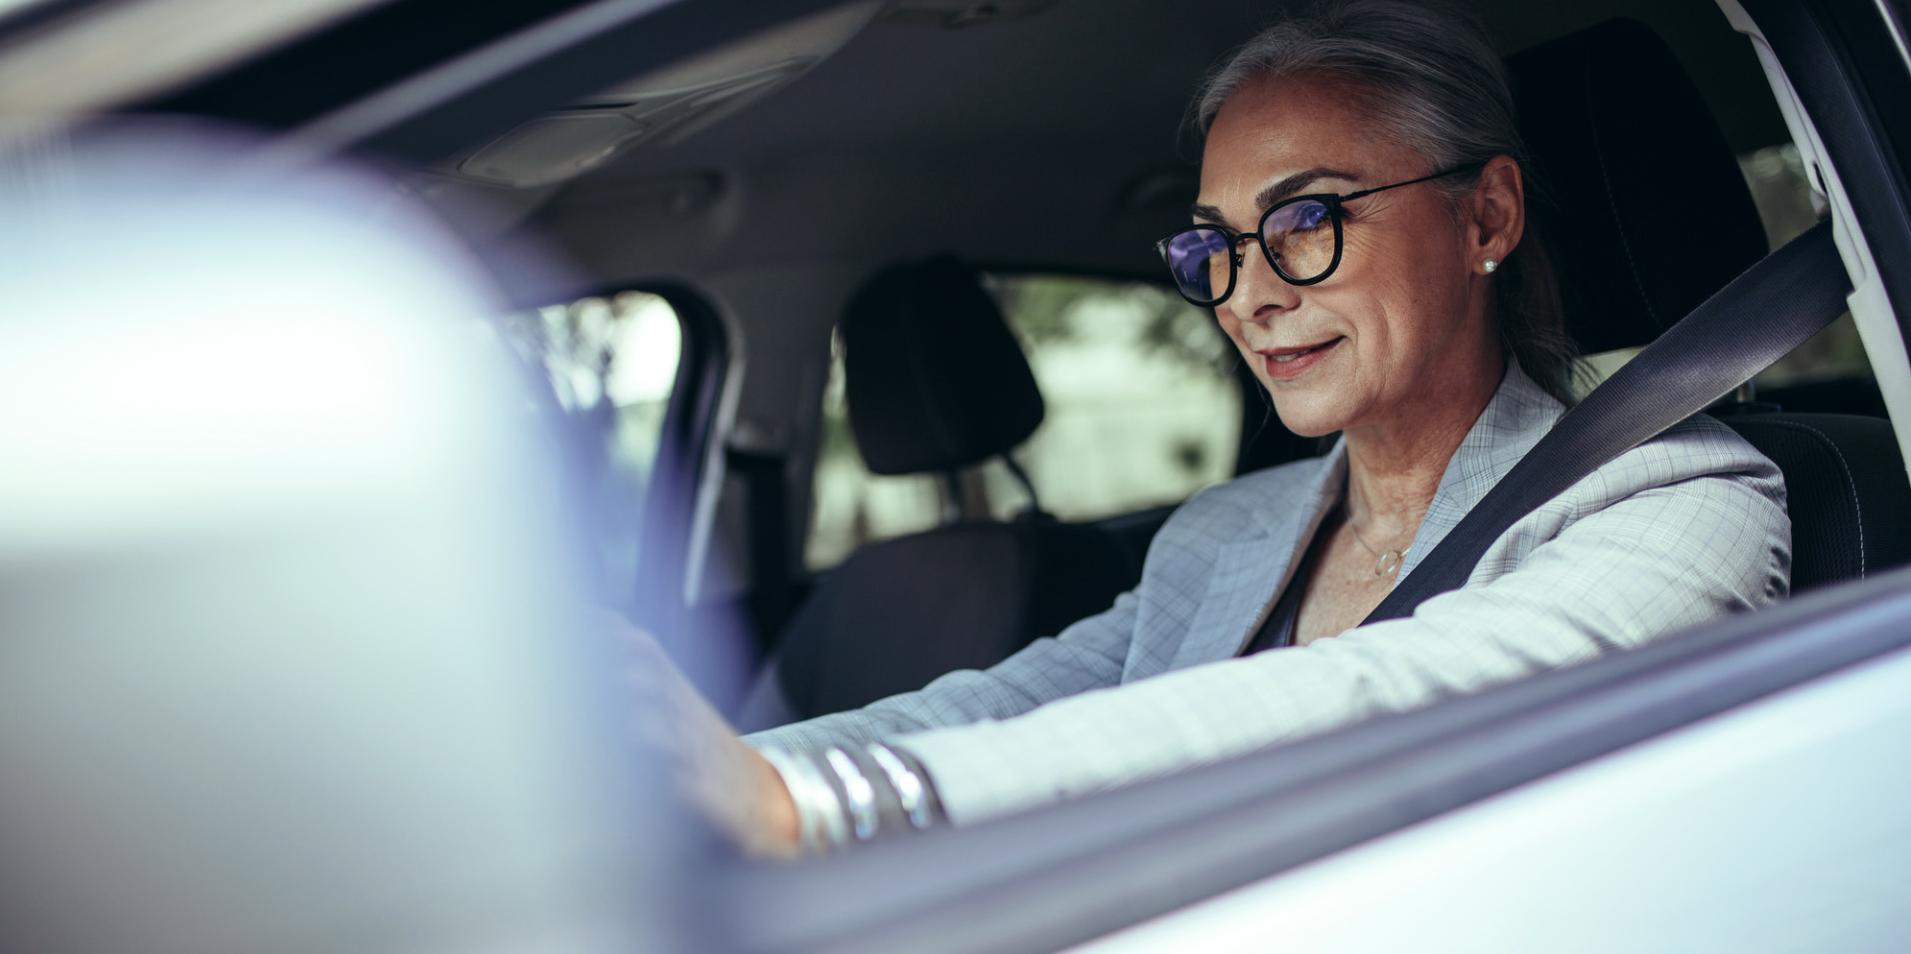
(1259, 293)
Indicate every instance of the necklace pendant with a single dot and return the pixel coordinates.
(1388, 564)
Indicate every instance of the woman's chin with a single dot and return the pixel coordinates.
(1309, 418)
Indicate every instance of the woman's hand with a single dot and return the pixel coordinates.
(729, 781)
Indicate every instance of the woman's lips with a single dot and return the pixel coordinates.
(1286, 363)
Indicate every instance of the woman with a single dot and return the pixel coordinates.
(1359, 234)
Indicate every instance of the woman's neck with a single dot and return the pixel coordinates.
(1394, 469)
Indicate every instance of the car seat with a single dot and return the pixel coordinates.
(936, 382)
(1649, 214)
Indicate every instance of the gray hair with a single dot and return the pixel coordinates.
(1435, 84)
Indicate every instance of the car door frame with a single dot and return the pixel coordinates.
(1078, 870)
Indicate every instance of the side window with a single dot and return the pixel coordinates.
(1787, 207)
(612, 361)
(1143, 410)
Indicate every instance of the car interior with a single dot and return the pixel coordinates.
(871, 371)
(848, 185)
(850, 189)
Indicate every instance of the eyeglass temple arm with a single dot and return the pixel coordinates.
(1456, 170)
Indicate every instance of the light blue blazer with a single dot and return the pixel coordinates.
(1682, 529)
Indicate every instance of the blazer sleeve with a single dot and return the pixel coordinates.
(1661, 541)
(1089, 654)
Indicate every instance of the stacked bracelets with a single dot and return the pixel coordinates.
(854, 795)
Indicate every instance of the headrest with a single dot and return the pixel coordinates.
(1638, 192)
(934, 379)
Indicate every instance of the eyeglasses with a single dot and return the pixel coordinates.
(1301, 238)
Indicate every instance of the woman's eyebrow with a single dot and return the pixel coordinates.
(1295, 183)
(1275, 193)
(1207, 213)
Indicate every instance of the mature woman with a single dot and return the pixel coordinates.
(1358, 234)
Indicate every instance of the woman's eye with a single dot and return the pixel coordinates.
(1307, 217)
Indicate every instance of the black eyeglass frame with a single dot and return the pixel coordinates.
(1333, 202)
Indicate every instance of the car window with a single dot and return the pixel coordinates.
(1787, 207)
(1143, 410)
(612, 361)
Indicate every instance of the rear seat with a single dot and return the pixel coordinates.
(936, 383)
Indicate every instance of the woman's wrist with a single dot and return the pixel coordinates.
(819, 802)
(781, 825)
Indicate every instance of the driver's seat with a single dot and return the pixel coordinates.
(1623, 145)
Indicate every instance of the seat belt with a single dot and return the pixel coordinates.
(1772, 308)
(767, 496)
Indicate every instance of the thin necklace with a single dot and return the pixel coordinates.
(1386, 562)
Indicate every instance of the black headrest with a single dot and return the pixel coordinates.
(1638, 192)
(935, 380)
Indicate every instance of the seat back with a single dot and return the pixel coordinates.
(899, 613)
(1846, 488)
(935, 383)
(1619, 134)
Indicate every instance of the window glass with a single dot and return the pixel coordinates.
(1143, 410)
(1787, 207)
(612, 360)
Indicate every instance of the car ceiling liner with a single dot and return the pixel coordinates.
(663, 106)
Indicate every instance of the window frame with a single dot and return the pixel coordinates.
(1078, 870)
(470, 75)
(684, 439)
(673, 499)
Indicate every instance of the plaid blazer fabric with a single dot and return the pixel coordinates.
(1682, 529)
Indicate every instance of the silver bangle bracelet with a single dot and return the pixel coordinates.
(908, 787)
(827, 806)
(819, 813)
(856, 787)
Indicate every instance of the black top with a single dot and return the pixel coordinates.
(1278, 631)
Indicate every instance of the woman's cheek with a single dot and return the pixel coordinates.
(1232, 329)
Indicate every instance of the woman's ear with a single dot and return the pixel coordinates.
(1497, 213)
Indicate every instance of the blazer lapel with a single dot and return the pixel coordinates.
(1519, 414)
(1248, 574)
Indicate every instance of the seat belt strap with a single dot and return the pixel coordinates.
(1775, 306)
(767, 496)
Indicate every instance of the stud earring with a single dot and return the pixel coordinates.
(1490, 265)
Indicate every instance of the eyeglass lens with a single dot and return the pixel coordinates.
(1200, 261)
(1300, 235)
